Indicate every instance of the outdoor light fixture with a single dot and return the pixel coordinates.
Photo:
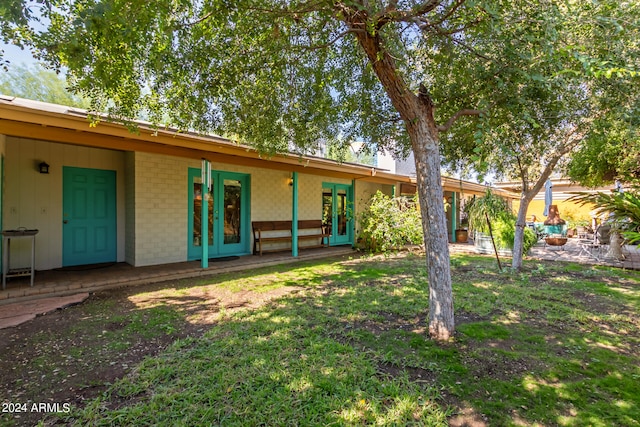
(290, 180)
(43, 168)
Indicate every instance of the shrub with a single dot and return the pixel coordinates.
(503, 221)
(504, 229)
(389, 223)
(623, 209)
(489, 205)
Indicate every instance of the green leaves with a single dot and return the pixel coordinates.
(623, 208)
(39, 84)
(389, 223)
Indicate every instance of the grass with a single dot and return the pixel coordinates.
(555, 345)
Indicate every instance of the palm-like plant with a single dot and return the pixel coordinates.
(623, 207)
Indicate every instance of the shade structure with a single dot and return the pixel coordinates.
(548, 196)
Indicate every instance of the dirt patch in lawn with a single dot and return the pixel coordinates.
(71, 355)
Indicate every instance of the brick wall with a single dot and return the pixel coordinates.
(161, 210)
(160, 200)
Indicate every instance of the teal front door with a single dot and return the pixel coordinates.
(337, 213)
(227, 211)
(89, 216)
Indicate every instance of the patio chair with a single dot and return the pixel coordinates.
(603, 234)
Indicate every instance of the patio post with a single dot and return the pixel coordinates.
(454, 214)
(204, 221)
(294, 216)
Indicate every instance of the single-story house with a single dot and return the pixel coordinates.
(99, 193)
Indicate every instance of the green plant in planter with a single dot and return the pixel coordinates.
(502, 219)
(488, 206)
(505, 233)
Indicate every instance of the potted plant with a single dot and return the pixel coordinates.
(462, 233)
(492, 221)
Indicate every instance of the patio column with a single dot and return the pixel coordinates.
(204, 222)
(352, 197)
(294, 216)
(454, 214)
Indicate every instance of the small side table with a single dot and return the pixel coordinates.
(20, 233)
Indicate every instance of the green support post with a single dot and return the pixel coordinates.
(294, 215)
(454, 214)
(204, 222)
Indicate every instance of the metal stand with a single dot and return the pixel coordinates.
(7, 235)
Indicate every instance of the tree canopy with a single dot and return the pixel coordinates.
(397, 74)
(39, 84)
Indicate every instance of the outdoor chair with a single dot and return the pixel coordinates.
(603, 234)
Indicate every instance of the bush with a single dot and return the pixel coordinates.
(505, 233)
(489, 205)
(389, 223)
(503, 221)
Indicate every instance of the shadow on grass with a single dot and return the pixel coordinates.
(552, 345)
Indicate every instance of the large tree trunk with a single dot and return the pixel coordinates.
(416, 111)
(427, 158)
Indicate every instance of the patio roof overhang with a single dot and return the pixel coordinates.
(50, 122)
(24, 118)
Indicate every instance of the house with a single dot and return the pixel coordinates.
(111, 195)
(562, 189)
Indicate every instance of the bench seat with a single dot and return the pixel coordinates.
(265, 232)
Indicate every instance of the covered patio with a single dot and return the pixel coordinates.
(68, 281)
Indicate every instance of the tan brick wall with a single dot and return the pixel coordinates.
(152, 198)
(161, 209)
(130, 211)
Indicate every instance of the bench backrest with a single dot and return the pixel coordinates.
(286, 225)
(271, 225)
(309, 223)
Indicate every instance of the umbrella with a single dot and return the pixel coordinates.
(548, 196)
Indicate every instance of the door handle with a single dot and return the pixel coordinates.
(65, 221)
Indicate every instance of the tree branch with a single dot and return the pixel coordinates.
(392, 14)
(466, 112)
(330, 42)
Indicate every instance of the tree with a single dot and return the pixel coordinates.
(277, 73)
(623, 209)
(39, 84)
(579, 84)
(613, 153)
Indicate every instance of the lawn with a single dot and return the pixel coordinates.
(344, 343)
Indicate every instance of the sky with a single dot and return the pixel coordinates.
(16, 55)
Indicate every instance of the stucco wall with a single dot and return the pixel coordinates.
(34, 200)
(568, 210)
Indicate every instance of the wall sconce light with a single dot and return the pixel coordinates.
(43, 167)
(290, 180)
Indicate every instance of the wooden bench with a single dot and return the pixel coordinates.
(280, 232)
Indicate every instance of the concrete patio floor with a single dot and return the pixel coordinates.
(69, 281)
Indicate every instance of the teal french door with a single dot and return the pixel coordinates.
(337, 212)
(227, 211)
(89, 216)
